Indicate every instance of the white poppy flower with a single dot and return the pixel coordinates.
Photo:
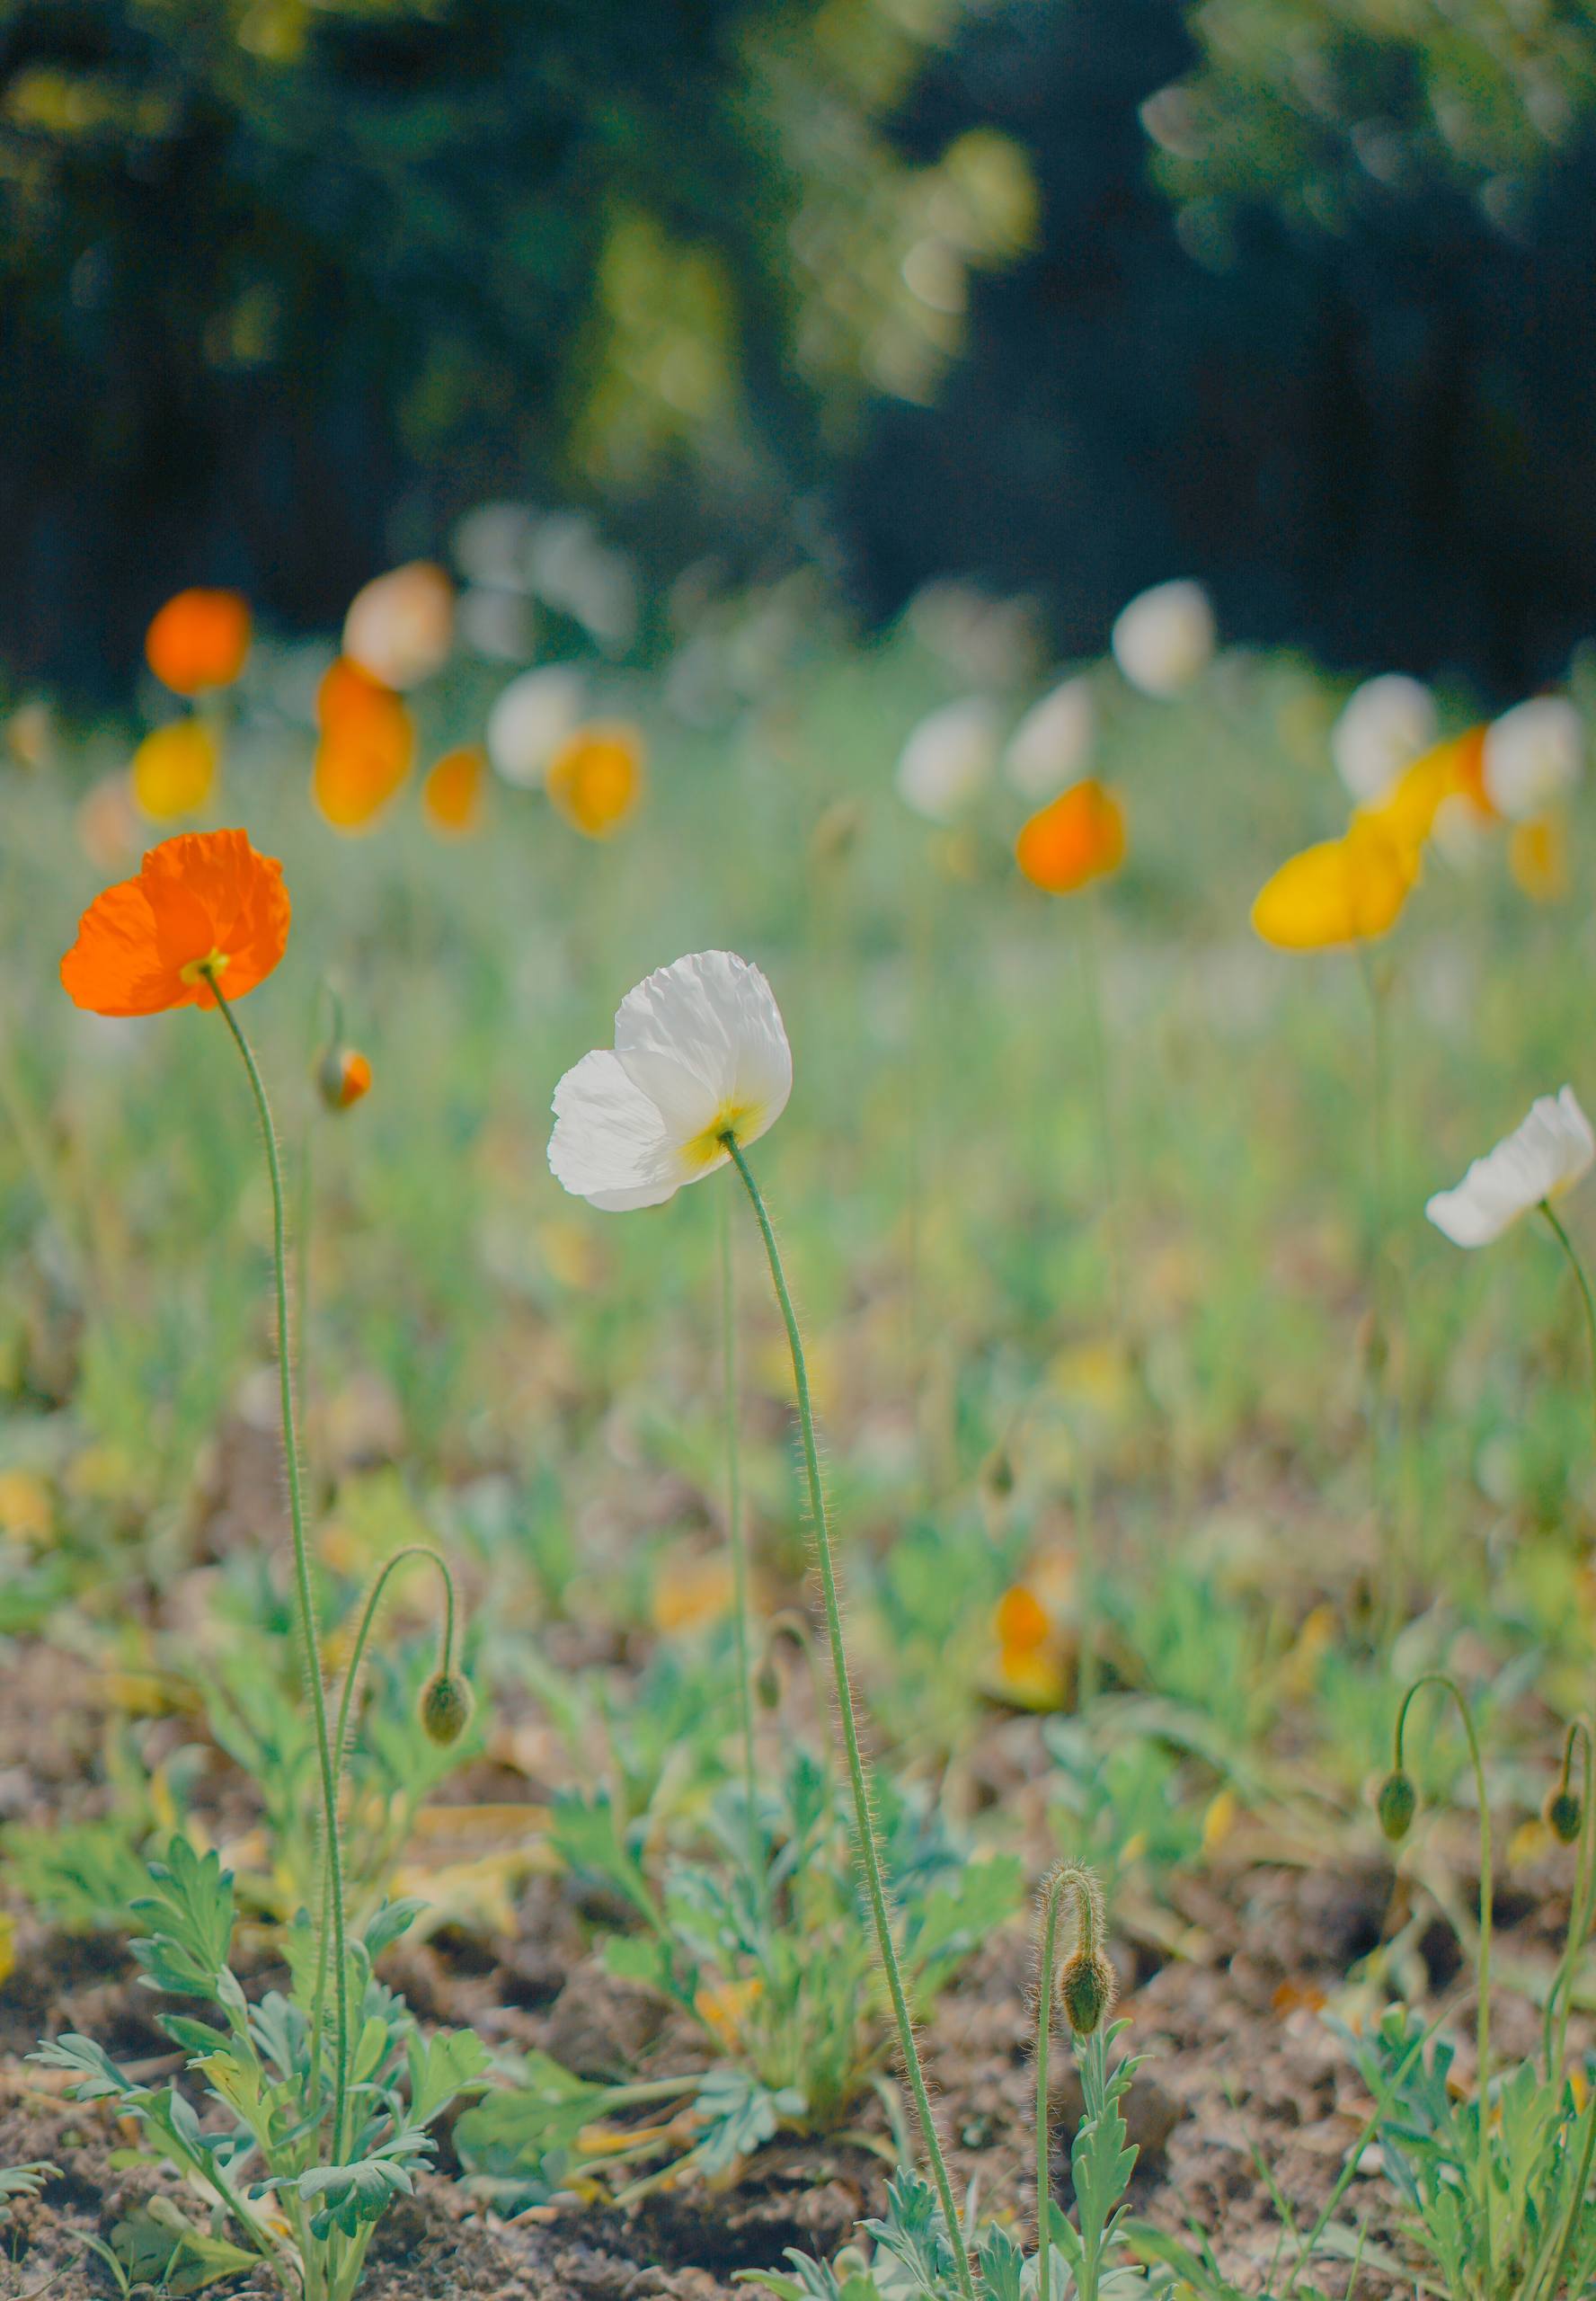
(699, 1053)
(1166, 637)
(1533, 756)
(948, 759)
(1385, 724)
(531, 719)
(1052, 742)
(1538, 1160)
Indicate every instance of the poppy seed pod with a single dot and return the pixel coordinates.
(1396, 1805)
(445, 1708)
(1562, 1814)
(1086, 1990)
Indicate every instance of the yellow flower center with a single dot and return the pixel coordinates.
(205, 970)
(708, 1148)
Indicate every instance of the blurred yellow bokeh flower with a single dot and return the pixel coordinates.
(1344, 890)
(595, 779)
(174, 770)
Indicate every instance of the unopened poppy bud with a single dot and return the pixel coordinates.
(445, 1708)
(768, 1686)
(1086, 1990)
(1396, 1805)
(342, 1077)
(1563, 1814)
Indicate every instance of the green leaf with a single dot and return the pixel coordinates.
(98, 2078)
(190, 1913)
(739, 2115)
(451, 2061)
(586, 1834)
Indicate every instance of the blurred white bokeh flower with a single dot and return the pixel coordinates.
(532, 718)
(400, 626)
(948, 760)
(1385, 724)
(1533, 756)
(700, 1052)
(1050, 746)
(1166, 637)
(1536, 1163)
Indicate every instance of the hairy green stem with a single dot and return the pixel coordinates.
(1561, 1996)
(869, 1854)
(1102, 1103)
(1074, 1878)
(1572, 1256)
(1486, 1898)
(736, 1535)
(304, 1592)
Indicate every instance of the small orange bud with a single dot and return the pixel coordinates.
(342, 1076)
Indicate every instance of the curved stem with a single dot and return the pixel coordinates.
(736, 1536)
(1486, 1898)
(1074, 1878)
(304, 1592)
(869, 1854)
(1107, 1148)
(1572, 1256)
(1579, 1911)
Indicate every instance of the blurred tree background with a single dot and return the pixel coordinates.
(1068, 295)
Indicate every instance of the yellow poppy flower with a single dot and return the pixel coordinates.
(1346, 890)
(595, 779)
(174, 769)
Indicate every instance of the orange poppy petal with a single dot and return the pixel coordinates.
(1406, 815)
(1077, 837)
(1021, 1621)
(452, 794)
(203, 895)
(367, 747)
(198, 640)
(1346, 890)
(595, 779)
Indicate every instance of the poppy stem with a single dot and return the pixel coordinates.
(1102, 1103)
(1561, 1995)
(1487, 1893)
(1572, 1255)
(305, 1594)
(865, 1826)
(1377, 983)
(737, 1536)
(1074, 1878)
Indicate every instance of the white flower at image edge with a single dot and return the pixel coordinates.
(1166, 637)
(699, 1053)
(1538, 1160)
(1385, 724)
(1533, 756)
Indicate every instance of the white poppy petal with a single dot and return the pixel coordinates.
(609, 1142)
(1545, 1154)
(704, 1040)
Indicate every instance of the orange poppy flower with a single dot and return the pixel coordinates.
(367, 747)
(1021, 1620)
(203, 901)
(452, 794)
(595, 779)
(1452, 769)
(198, 640)
(1346, 890)
(174, 769)
(1077, 837)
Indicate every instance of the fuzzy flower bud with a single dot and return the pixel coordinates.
(342, 1077)
(768, 1686)
(445, 1708)
(1563, 1814)
(1396, 1805)
(1086, 1990)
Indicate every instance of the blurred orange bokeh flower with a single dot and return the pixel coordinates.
(1346, 890)
(174, 770)
(595, 779)
(367, 747)
(453, 793)
(198, 640)
(1077, 837)
(1453, 769)
(203, 901)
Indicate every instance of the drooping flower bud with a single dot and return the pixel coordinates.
(446, 1707)
(1396, 1805)
(342, 1077)
(1563, 1814)
(767, 1687)
(1086, 1990)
